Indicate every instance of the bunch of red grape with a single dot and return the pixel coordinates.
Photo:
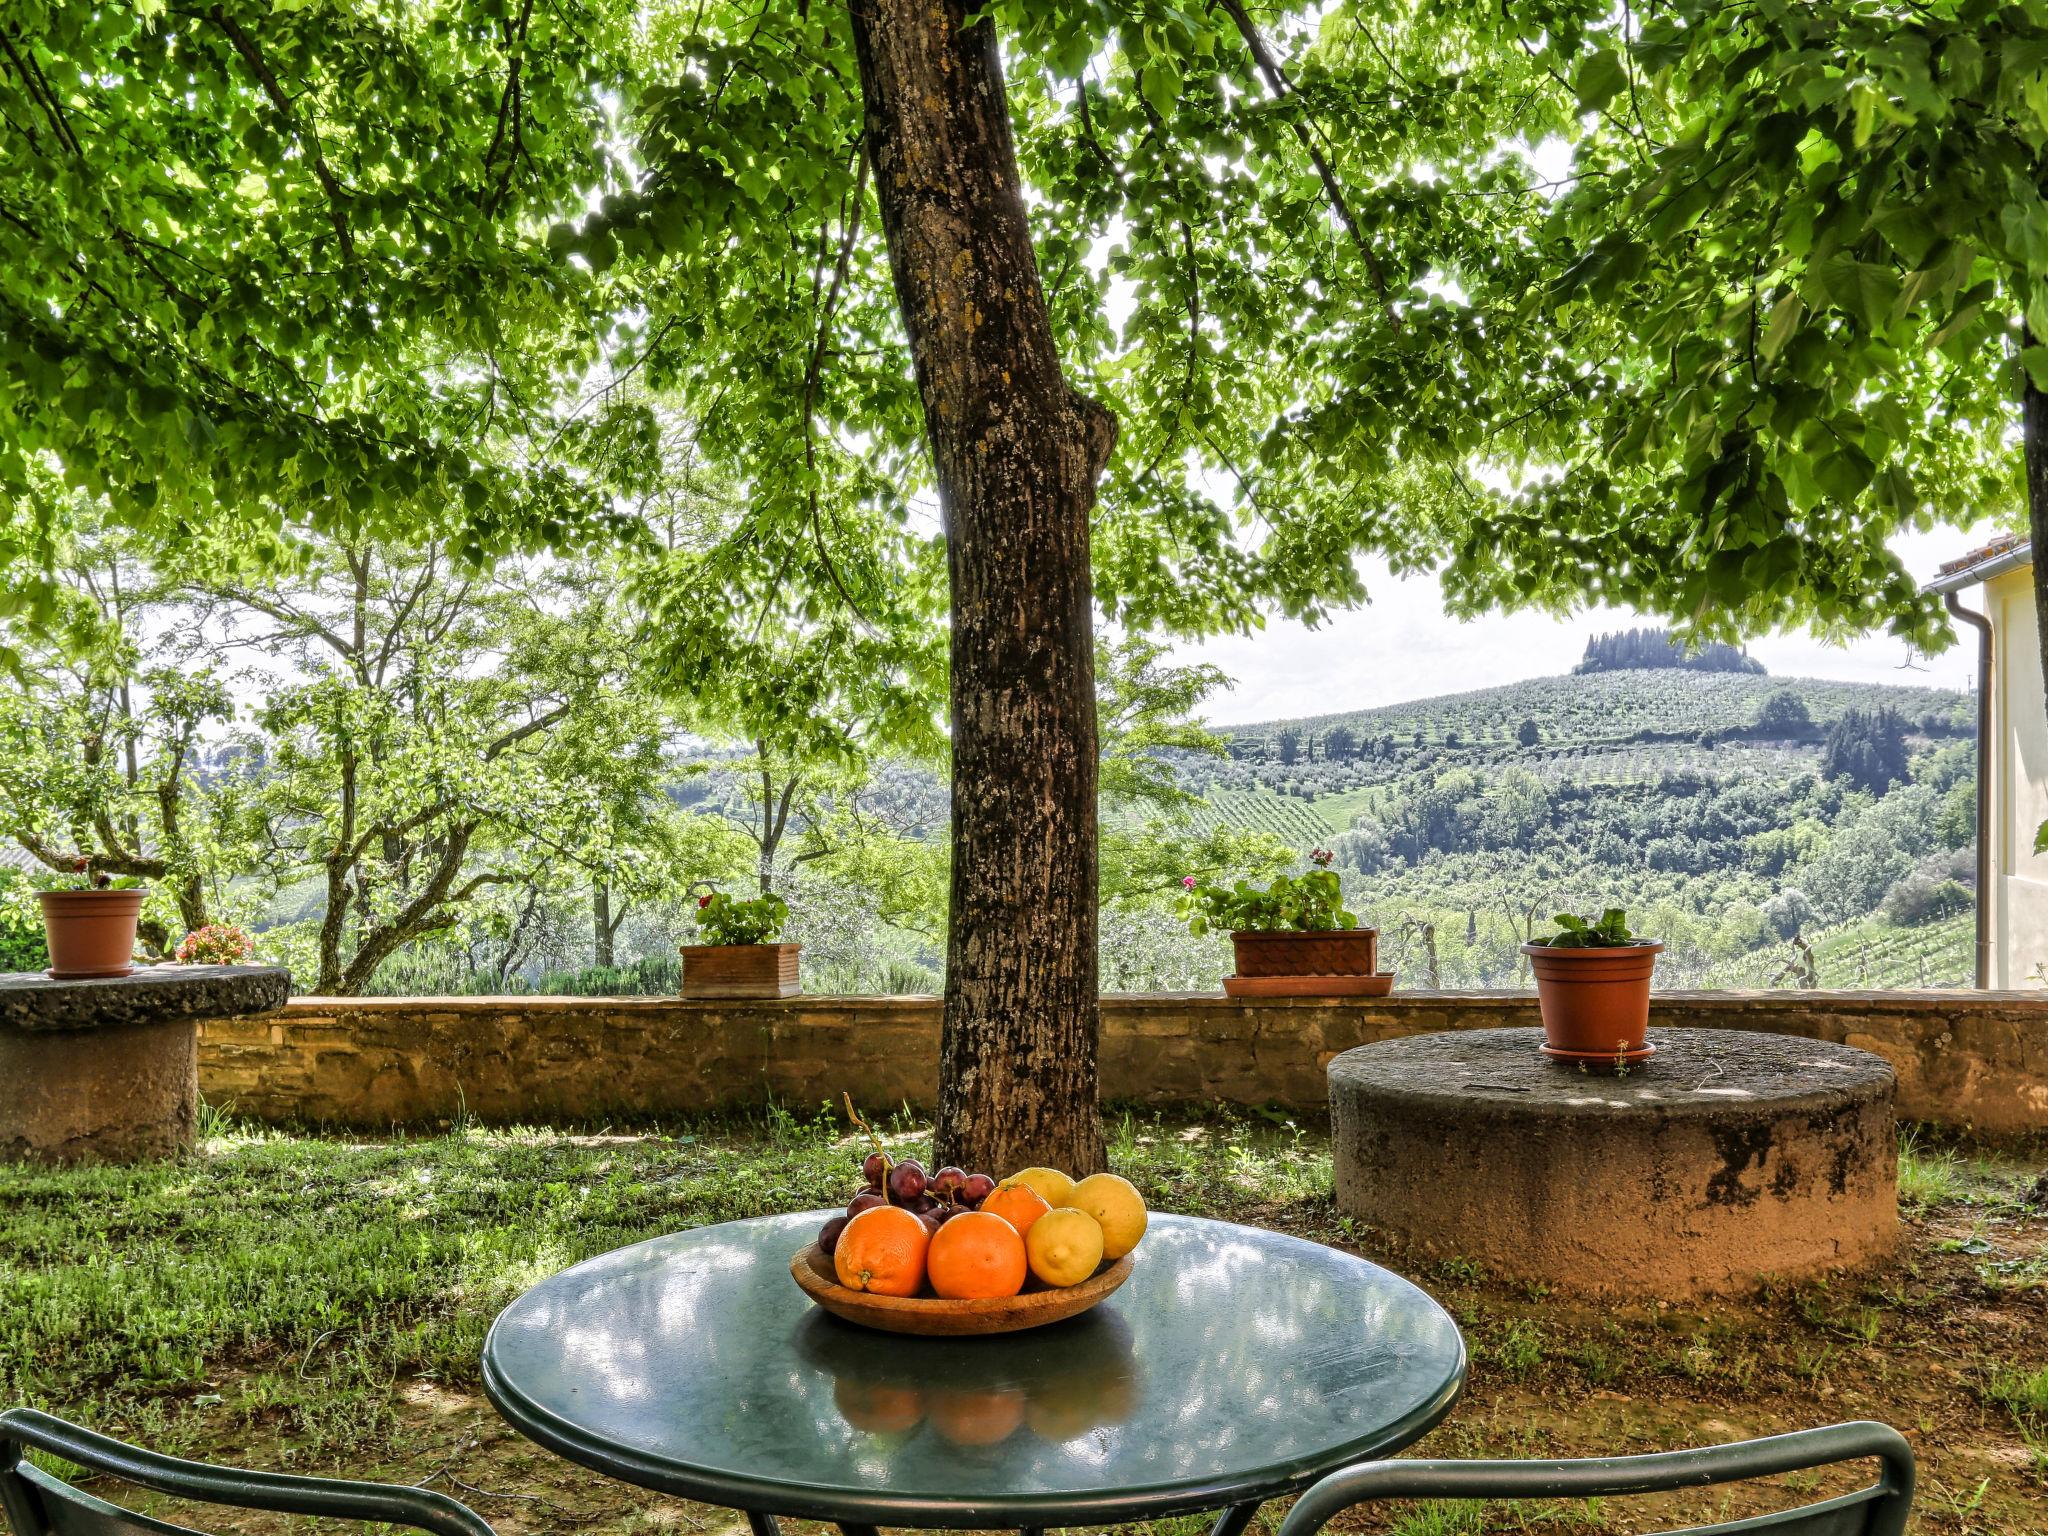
(934, 1199)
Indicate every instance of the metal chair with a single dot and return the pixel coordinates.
(37, 1504)
(1879, 1510)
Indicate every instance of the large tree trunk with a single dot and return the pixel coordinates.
(1017, 454)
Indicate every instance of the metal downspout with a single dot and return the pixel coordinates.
(1982, 625)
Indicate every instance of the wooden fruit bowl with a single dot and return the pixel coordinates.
(935, 1318)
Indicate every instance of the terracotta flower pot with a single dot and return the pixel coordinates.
(740, 970)
(90, 933)
(1595, 1002)
(1336, 962)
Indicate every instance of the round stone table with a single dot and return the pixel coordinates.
(1727, 1159)
(107, 1070)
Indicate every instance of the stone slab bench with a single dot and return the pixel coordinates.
(107, 1070)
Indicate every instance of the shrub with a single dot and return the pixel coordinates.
(1789, 911)
(1783, 715)
(1609, 930)
(1310, 903)
(216, 944)
(21, 925)
(725, 921)
(653, 976)
(1920, 898)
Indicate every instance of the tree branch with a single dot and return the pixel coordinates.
(307, 134)
(1276, 82)
(510, 106)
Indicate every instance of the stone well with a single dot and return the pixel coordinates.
(107, 1069)
(1727, 1159)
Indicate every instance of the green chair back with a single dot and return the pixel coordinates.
(37, 1504)
(1878, 1510)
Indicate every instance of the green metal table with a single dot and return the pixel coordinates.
(1234, 1366)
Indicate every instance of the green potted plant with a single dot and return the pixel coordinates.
(742, 957)
(1593, 987)
(1292, 938)
(90, 927)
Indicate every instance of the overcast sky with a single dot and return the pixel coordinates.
(1402, 646)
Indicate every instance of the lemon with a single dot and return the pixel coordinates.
(1064, 1246)
(1049, 1184)
(1116, 1204)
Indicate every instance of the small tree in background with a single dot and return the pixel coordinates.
(1867, 750)
(1783, 716)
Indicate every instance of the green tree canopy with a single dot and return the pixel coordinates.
(1789, 278)
(336, 271)
(285, 260)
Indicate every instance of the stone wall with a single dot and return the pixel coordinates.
(1974, 1061)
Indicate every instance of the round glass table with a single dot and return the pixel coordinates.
(1234, 1366)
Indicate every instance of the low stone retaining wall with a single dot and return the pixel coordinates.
(1974, 1061)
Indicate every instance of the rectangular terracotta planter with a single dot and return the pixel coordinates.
(1340, 962)
(740, 970)
(1332, 952)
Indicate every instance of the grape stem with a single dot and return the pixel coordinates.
(873, 1135)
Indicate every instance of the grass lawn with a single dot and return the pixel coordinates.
(317, 1304)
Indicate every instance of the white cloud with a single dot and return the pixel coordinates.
(1403, 646)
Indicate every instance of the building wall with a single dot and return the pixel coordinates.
(2018, 783)
(1974, 1061)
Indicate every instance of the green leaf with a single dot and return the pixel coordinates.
(1845, 474)
(1783, 322)
(1159, 81)
(1861, 288)
(1601, 79)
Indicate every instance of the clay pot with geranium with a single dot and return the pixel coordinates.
(90, 926)
(742, 957)
(1593, 987)
(1292, 938)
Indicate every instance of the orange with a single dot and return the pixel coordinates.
(1018, 1204)
(974, 1256)
(882, 1250)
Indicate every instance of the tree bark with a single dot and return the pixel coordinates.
(603, 928)
(1017, 454)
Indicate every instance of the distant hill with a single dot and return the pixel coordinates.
(1306, 779)
(1725, 809)
(1647, 650)
(1595, 709)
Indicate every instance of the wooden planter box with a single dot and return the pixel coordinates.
(1340, 962)
(740, 970)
